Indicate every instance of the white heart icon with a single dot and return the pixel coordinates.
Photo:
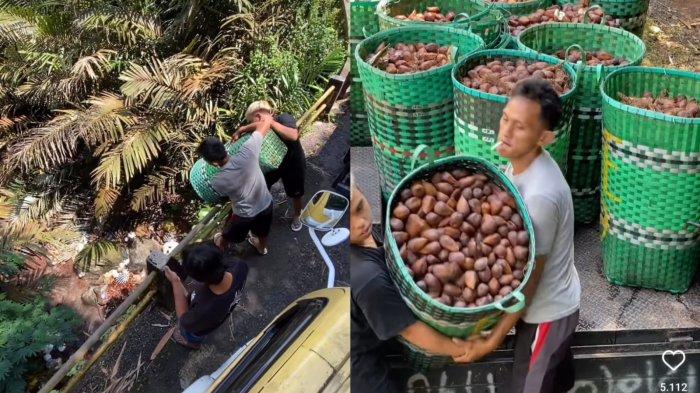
(673, 354)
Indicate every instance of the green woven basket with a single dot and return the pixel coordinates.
(486, 21)
(453, 321)
(478, 114)
(357, 99)
(631, 13)
(407, 110)
(359, 130)
(584, 146)
(363, 18)
(650, 183)
(522, 8)
(271, 155)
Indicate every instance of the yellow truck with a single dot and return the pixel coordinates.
(304, 349)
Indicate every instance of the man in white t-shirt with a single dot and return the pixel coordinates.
(544, 329)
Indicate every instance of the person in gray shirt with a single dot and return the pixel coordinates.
(243, 182)
(544, 329)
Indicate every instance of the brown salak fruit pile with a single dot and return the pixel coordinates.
(461, 237)
(570, 13)
(410, 58)
(681, 106)
(594, 58)
(431, 14)
(499, 77)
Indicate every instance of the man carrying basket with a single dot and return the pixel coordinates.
(544, 329)
(242, 180)
(291, 170)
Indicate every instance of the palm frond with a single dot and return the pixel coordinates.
(128, 157)
(159, 82)
(105, 119)
(104, 201)
(16, 26)
(94, 66)
(127, 29)
(48, 146)
(156, 187)
(94, 252)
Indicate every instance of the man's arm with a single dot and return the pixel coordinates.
(244, 129)
(427, 338)
(545, 217)
(263, 126)
(179, 292)
(286, 131)
(477, 348)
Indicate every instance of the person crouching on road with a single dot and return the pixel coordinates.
(293, 167)
(543, 360)
(242, 180)
(220, 281)
(378, 313)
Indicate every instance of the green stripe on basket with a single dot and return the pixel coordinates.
(451, 321)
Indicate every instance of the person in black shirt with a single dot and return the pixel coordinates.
(293, 167)
(378, 313)
(220, 283)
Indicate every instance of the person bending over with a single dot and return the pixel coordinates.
(242, 180)
(220, 281)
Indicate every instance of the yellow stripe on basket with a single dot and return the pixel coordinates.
(608, 165)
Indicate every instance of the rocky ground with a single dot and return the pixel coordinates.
(672, 34)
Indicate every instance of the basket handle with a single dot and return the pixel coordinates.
(463, 19)
(587, 19)
(599, 73)
(692, 223)
(574, 46)
(514, 308)
(417, 152)
(365, 33)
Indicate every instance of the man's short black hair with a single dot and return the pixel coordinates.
(212, 149)
(204, 263)
(541, 91)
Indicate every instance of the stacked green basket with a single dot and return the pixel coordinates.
(489, 23)
(271, 155)
(631, 13)
(478, 114)
(363, 22)
(451, 321)
(651, 183)
(408, 110)
(583, 169)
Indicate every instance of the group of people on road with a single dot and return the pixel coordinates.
(220, 276)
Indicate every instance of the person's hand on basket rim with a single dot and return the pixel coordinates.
(474, 348)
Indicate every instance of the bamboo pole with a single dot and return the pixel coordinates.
(113, 337)
(316, 104)
(95, 336)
